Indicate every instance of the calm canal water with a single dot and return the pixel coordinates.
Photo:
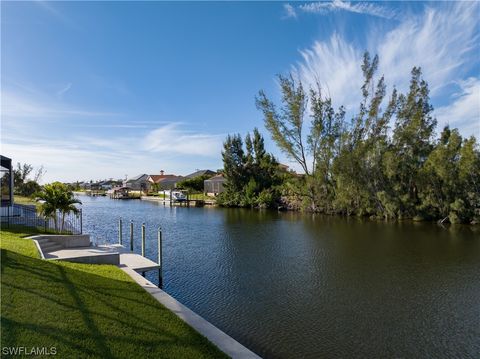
(290, 285)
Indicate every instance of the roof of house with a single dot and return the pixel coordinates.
(108, 182)
(200, 173)
(158, 178)
(217, 178)
(170, 178)
(143, 176)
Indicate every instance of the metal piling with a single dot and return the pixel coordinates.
(131, 236)
(160, 255)
(143, 239)
(120, 234)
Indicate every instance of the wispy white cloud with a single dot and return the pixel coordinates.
(335, 66)
(80, 157)
(443, 41)
(126, 146)
(114, 125)
(367, 8)
(18, 106)
(290, 11)
(172, 139)
(464, 111)
(52, 10)
(64, 89)
(69, 163)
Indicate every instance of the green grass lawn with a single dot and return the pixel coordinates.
(25, 200)
(201, 196)
(86, 311)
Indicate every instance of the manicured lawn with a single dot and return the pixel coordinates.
(93, 311)
(25, 200)
(201, 196)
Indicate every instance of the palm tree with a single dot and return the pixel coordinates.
(57, 197)
(67, 205)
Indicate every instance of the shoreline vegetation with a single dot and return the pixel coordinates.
(385, 163)
(104, 312)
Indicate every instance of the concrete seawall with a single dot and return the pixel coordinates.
(224, 342)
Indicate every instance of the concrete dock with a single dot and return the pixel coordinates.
(55, 248)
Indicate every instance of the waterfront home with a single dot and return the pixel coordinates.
(153, 179)
(139, 183)
(90, 186)
(109, 184)
(164, 181)
(214, 185)
(199, 173)
(169, 182)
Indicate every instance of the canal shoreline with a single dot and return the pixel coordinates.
(373, 219)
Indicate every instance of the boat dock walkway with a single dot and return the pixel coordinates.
(104, 254)
(187, 203)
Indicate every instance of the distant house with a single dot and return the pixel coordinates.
(214, 185)
(139, 183)
(164, 181)
(200, 173)
(106, 185)
(169, 182)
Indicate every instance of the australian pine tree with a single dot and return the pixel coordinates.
(411, 144)
(252, 174)
(311, 142)
(358, 171)
(367, 168)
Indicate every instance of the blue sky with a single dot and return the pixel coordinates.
(107, 89)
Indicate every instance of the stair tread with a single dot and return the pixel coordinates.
(54, 248)
(50, 244)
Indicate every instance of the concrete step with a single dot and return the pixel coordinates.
(46, 242)
(48, 245)
(53, 248)
(43, 240)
